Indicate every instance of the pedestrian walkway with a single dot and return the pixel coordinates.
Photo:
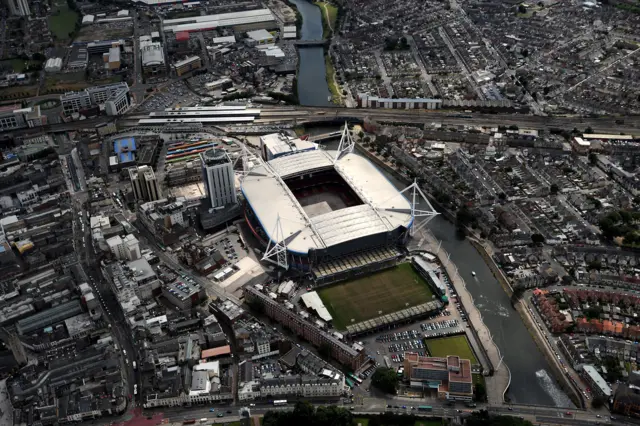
(497, 384)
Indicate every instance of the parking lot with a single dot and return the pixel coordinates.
(392, 343)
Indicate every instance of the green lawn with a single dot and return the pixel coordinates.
(360, 421)
(329, 17)
(428, 423)
(330, 76)
(373, 295)
(63, 20)
(19, 65)
(454, 345)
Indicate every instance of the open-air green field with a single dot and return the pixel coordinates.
(329, 17)
(453, 345)
(374, 295)
(428, 423)
(63, 20)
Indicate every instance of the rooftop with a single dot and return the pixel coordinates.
(385, 208)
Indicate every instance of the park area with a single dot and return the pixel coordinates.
(62, 22)
(454, 345)
(363, 421)
(329, 17)
(374, 295)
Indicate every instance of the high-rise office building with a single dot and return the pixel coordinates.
(219, 178)
(19, 7)
(144, 184)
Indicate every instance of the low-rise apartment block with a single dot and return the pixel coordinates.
(450, 376)
(342, 352)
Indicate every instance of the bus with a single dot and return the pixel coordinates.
(349, 382)
(135, 389)
(280, 402)
(356, 378)
(425, 408)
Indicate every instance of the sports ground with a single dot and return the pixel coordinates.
(363, 298)
(453, 345)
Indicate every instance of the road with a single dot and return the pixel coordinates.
(171, 262)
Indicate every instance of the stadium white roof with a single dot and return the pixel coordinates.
(312, 301)
(385, 208)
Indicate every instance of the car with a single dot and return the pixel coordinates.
(212, 410)
(220, 414)
(229, 411)
(598, 415)
(569, 413)
(510, 408)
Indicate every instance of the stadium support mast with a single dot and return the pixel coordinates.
(276, 252)
(417, 196)
(346, 143)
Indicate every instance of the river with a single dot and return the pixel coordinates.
(531, 380)
(312, 82)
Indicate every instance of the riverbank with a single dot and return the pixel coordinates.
(330, 72)
(498, 378)
(329, 18)
(487, 340)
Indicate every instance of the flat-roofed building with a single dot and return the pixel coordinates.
(114, 97)
(14, 117)
(144, 184)
(240, 21)
(152, 54)
(450, 376)
(598, 384)
(186, 65)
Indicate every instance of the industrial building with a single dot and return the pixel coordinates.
(53, 65)
(218, 177)
(239, 21)
(114, 97)
(187, 65)
(103, 46)
(144, 184)
(112, 59)
(451, 376)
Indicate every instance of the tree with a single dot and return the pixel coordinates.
(537, 238)
(597, 402)
(385, 379)
(522, 9)
(502, 196)
(593, 158)
(554, 189)
(480, 392)
(588, 130)
(360, 134)
(594, 265)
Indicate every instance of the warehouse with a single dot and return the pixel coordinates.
(239, 21)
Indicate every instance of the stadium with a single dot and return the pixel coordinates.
(327, 213)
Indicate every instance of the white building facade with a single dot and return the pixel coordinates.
(218, 177)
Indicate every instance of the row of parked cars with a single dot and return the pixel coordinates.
(439, 325)
(406, 346)
(401, 335)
